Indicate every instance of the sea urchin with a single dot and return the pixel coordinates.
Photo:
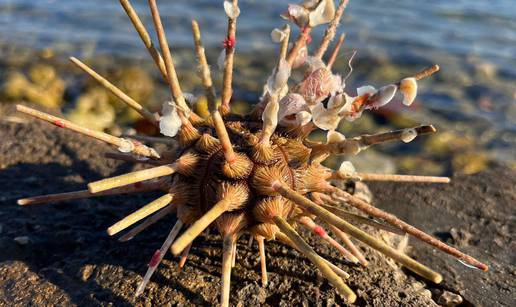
(258, 174)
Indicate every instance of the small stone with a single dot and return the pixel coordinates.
(449, 299)
(22, 240)
(86, 271)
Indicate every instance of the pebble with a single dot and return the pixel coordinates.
(86, 271)
(22, 240)
(449, 299)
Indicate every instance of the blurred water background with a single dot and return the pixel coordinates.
(471, 101)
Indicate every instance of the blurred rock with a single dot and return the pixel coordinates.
(445, 142)
(93, 110)
(137, 84)
(43, 86)
(419, 165)
(470, 162)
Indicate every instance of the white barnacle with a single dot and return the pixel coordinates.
(232, 10)
(366, 89)
(328, 118)
(334, 137)
(382, 97)
(408, 88)
(126, 146)
(279, 77)
(297, 14)
(293, 105)
(348, 110)
(408, 135)
(322, 13)
(347, 170)
(169, 122)
(278, 35)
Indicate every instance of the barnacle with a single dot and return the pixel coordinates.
(258, 174)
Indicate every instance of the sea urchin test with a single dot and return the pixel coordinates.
(259, 174)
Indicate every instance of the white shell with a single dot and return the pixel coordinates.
(367, 89)
(408, 135)
(277, 35)
(326, 119)
(297, 14)
(323, 13)
(347, 169)
(350, 116)
(232, 11)
(408, 88)
(292, 104)
(334, 137)
(279, 77)
(382, 97)
(126, 146)
(169, 122)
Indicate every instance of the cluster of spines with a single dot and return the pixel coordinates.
(295, 192)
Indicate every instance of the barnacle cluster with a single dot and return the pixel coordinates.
(258, 174)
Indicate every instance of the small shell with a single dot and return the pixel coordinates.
(323, 13)
(408, 135)
(408, 88)
(367, 89)
(291, 104)
(334, 137)
(297, 14)
(326, 119)
(232, 11)
(382, 97)
(279, 77)
(169, 123)
(277, 35)
(349, 111)
(126, 146)
(347, 169)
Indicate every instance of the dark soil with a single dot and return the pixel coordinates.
(70, 260)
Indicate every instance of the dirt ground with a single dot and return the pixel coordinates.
(61, 255)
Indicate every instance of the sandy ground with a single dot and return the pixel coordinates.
(61, 255)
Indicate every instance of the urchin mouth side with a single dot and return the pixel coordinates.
(258, 174)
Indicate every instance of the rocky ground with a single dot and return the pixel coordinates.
(61, 255)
